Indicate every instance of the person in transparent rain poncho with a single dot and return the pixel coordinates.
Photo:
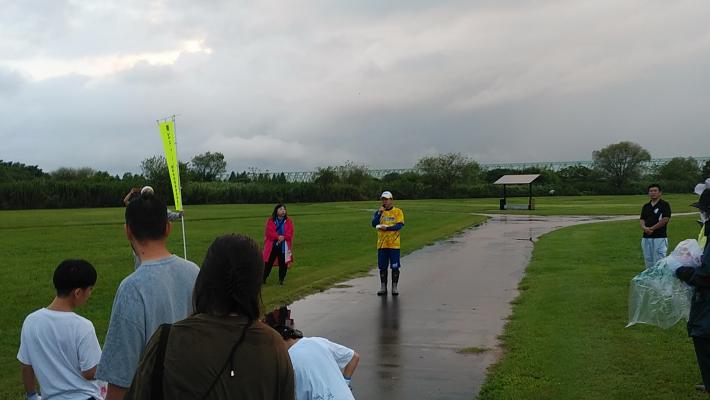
(656, 296)
(699, 279)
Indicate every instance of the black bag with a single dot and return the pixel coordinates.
(159, 366)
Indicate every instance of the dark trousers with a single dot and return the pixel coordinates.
(702, 352)
(276, 252)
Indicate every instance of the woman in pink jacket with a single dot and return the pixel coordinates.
(278, 239)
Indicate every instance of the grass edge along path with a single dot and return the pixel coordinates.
(566, 337)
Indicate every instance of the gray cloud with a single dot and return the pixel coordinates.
(285, 86)
(10, 82)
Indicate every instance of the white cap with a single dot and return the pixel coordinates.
(386, 195)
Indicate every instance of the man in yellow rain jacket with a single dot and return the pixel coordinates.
(389, 221)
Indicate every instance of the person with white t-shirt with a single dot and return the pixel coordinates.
(322, 369)
(59, 348)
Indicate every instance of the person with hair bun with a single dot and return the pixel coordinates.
(222, 351)
(135, 193)
(159, 291)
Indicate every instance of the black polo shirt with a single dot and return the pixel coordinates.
(651, 214)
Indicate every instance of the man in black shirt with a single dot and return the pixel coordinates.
(654, 217)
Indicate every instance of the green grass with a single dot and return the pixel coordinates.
(473, 350)
(566, 338)
(560, 205)
(333, 242)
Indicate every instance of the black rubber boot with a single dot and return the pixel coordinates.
(282, 275)
(267, 271)
(383, 283)
(395, 280)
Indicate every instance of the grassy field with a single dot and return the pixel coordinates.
(577, 205)
(566, 338)
(333, 241)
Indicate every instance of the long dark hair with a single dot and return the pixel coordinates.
(230, 282)
(230, 278)
(274, 214)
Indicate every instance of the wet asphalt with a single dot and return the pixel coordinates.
(454, 295)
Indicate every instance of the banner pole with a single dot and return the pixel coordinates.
(182, 217)
(184, 243)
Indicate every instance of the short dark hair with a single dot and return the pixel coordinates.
(654, 185)
(147, 216)
(274, 214)
(230, 278)
(73, 274)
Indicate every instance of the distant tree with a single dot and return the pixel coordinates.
(279, 178)
(621, 162)
(155, 171)
(263, 177)
(578, 173)
(354, 174)
(446, 169)
(105, 176)
(494, 174)
(257, 175)
(79, 174)
(15, 171)
(706, 170)
(392, 177)
(472, 172)
(680, 169)
(242, 177)
(326, 176)
(208, 167)
(130, 177)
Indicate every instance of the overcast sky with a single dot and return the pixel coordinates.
(292, 85)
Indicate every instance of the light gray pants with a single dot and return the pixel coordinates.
(654, 249)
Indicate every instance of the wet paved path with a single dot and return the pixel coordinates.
(454, 294)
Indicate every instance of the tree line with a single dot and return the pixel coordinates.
(619, 168)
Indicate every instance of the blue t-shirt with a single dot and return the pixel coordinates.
(158, 292)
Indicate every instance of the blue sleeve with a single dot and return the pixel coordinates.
(173, 216)
(376, 219)
(396, 227)
(125, 339)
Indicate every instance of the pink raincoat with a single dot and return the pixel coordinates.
(270, 236)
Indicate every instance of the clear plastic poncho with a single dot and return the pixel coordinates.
(656, 296)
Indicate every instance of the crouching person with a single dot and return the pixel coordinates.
(59, 348)
(322, 369)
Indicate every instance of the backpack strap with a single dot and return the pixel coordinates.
(159, 366)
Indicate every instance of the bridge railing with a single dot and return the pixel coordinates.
(307, 176)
